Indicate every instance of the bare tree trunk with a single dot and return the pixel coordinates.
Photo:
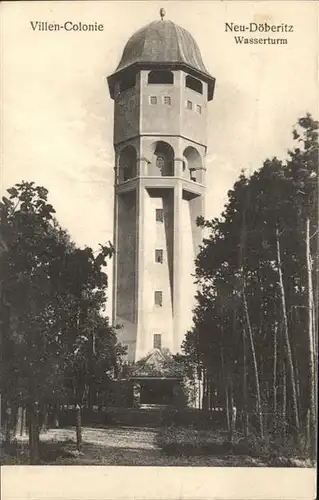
(1, 421)
(209, 393)
(274, 380)
(253, 351)
(90, 390)
(265, 408)
(311, 339)
(56, 415)
(19, 424)
(297, 377)
(230, 411)
(241, 255)
(284, 399)
(308, 433)
(225, 383)
(245, 399)
(21, 427)
(233, 412)
(275, 415)
(45, 419)
(8, 424)
(205, 390)
(24, 426)
(286, 335)
(199, 379)
(34, 433)
(78, 427)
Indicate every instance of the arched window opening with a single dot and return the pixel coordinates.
(160, 76)
(194, 84)
(164, 154)
(128, 81)
(194, 164)
(127, 164)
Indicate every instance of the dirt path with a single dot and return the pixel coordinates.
(125, 446)
(123, 437)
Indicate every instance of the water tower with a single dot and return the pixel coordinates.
(161, 90)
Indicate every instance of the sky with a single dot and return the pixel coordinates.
(57, 115)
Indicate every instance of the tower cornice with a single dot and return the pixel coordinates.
(158, 134)
(139, 66)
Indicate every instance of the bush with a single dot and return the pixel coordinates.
(198, 419)
(187, 442)
(277, 453)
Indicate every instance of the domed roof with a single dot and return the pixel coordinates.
(162, 42)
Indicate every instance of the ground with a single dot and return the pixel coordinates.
(120, 446)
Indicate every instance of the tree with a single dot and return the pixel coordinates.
(303, 168)
(31, 346)
(256, 271)
(52, 295)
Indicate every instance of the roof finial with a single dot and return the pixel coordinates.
(162, 13)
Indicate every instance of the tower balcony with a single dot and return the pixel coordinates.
(192, 189)
(161, 162)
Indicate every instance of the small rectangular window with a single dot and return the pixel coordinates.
(158, 298)
(159, 215)
(199, 109)
(167, 100)
(159, 256)
(153, 99)
(189, 105)
(157, 341)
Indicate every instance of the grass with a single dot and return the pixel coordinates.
(132, 446)
(177, 441)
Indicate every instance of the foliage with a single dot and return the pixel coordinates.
(179, 441)
(239, 341)
(55, 339)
